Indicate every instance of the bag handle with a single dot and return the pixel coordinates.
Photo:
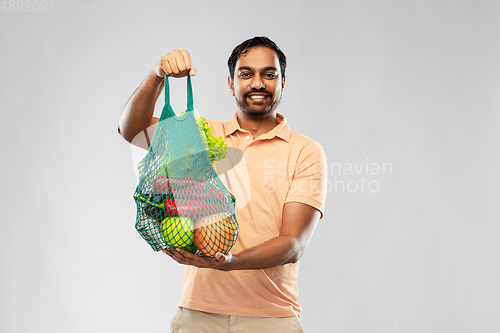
(167, 109)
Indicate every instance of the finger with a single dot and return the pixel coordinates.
(181, 256)
(192, 72)
(166, 67)
(167, 250)
(185, 255)
(178, 251)
(180, 61)
(173, 64)
(171, 255)
(175, 253)
(187, 59)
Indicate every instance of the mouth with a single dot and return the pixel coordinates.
(257, 97)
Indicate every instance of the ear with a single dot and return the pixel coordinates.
(283, 82)
(230, 83)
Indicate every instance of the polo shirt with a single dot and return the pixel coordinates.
(263, 174)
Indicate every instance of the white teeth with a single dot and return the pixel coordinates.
(257, 96)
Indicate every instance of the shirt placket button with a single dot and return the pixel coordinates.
(248, 138)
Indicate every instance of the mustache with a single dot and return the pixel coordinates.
(257, 91)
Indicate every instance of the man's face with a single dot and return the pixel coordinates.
(257, 84)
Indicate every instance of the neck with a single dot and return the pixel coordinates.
(257, 125)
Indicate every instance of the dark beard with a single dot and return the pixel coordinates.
(245, 107)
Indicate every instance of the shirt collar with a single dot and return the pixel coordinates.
(282, 130)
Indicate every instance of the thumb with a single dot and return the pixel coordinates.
(192, 72)
(159, 70)
(223, 257)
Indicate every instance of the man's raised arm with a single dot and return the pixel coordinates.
(137, 115)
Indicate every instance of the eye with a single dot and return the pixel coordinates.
(271, 75)
(244, 75)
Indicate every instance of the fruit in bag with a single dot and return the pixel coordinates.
(215, 233)
(178, 231)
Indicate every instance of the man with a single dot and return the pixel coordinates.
(253, 288)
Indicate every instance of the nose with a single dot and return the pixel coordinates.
(257, 82)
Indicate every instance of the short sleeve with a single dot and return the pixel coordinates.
(309, 181)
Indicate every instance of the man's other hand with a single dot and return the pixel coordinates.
(221, 261)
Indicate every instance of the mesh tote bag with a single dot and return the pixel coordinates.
(181, 202)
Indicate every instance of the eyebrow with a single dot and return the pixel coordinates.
(247, 68)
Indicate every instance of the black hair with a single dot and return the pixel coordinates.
(242, 49)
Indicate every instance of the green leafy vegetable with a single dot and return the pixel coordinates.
(216, 147)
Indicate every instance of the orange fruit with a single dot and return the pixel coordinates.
(216, 233)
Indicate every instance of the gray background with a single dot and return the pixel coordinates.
(413, 84)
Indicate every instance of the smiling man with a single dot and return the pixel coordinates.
(254, 287)
(259, 81)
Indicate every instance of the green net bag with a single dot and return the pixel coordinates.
(180, 199)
